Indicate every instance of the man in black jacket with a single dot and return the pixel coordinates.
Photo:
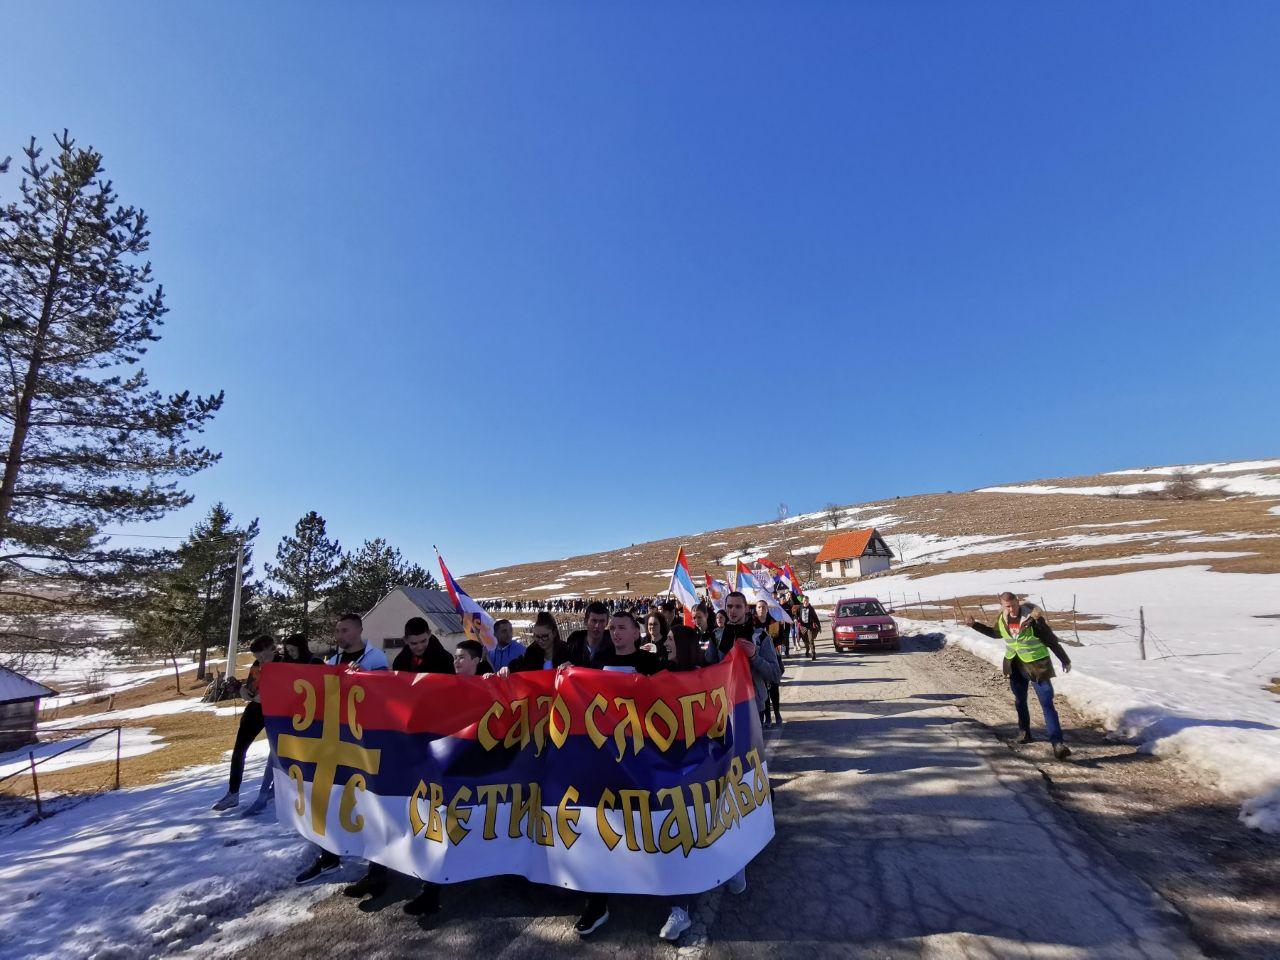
(422, 652)
(1028, 642)
(593, 641)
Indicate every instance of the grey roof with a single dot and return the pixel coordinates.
(436, 607)
(14, 686)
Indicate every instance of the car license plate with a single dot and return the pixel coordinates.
(868, 636)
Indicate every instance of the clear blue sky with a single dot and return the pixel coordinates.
(530, 280)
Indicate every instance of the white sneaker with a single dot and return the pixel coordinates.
(677, 923)
(230, 799)
(738, 882)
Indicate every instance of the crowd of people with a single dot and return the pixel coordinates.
(613, 637)
(578, 605)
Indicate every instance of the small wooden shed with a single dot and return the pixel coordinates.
(19, 707)
(854, 553)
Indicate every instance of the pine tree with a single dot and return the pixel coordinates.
(307, 564)
(370, 574)
(187, 604)
(90, 443)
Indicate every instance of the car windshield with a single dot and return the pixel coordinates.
(861, 608)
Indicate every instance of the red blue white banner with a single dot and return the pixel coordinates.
(587, 779)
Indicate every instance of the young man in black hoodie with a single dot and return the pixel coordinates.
(422, 653)
(593, 640)
(624, 656)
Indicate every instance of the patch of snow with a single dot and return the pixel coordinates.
(134, 742)
(585, 573)
(1250, 485)
(1203, 468)
(1201, 698)
(145, 871)
(1121, 523)
(164, 708)
(548, 586)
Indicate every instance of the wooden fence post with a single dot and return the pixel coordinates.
(1142, 634)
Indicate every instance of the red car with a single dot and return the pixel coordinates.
(860, 623)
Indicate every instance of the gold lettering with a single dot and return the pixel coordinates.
(521, 808)
(457, 819)
(519, 732)
(483, 733)
(415, 818)
(560, 731)
(295, 774)
(308, 715)
(660, 711)
(759, 780)
(609, 835)
(348, 804)
(632, 720)
(677, 817)
(720, 695)
(597, 704)
(686, 713)
(540, 726)
(643, 815)
(491, 794)
(435, 827)
(354, 695)
(746, 802)
(566, 818)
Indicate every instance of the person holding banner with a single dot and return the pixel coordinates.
(422, 652)
(765, 668)
(593, 640)
(354, 653)
(547, 651)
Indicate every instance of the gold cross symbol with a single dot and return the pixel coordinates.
(328, 751)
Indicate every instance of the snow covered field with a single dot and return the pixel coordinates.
(1201, 697)
(161, 872)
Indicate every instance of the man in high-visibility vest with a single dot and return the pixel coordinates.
(1028, 641)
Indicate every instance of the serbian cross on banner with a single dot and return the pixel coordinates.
(476, 622)
(681, 586)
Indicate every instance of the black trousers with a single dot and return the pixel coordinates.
(251, 724)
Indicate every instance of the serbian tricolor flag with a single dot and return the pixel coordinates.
(768, 572)
(717, 590)
(681, 587)
(476, 622)
(750, 587)
(584, 779)
(791, 580)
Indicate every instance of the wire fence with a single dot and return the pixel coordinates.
(38, 756)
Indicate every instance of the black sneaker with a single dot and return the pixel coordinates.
(1026, 737)
(366, 886)
(1061, 750)
(428, 901)
(321, 865)
(594, 916)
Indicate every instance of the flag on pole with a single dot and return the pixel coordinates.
(681, 587)
(768, 573)
(476, 622)
(750, 587)
(789, 577)
(717, 590)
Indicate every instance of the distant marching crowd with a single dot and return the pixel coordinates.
(637, 605)
(611, 637)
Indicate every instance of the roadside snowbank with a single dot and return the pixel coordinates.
(1241, 758)
(161, 871)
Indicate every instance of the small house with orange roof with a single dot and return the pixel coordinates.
(854, 553)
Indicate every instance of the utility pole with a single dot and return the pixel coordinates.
(1142, 634)
(233, 639)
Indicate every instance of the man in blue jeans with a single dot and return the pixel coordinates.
(1028, 641)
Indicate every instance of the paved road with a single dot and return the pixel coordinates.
(903, 830)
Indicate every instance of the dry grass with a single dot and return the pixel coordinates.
(190, 738)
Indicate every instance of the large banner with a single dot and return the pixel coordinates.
(587, 779)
